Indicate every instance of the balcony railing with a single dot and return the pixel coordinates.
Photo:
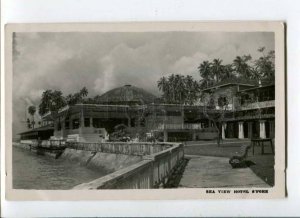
(257, 105)
(180, 126)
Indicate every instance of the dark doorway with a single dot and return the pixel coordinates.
(255, 129)
(245, 124)
(267, 126)
(232, 130)
(236, 130)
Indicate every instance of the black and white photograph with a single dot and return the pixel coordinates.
(172, 109)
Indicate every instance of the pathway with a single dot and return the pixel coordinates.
(215, 172)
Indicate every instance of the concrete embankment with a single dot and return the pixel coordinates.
(152, 171)
(108, 162)
(99, 160)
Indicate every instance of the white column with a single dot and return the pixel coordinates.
(91, 122)
(262, 129)
(241, 130)
(224, 125)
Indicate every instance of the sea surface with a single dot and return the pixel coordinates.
(32, 171)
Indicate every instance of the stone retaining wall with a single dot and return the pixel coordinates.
(108, 162)
(151, 172)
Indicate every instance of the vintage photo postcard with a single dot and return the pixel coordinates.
(145, 110)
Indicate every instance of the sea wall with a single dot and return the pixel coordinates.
(113, 162)
(152, 171)
(77, 156)
(128, 165)
(108, 162)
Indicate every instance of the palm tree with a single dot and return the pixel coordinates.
(179, 90)
(84, 92)
(227, 72)
(51, 101)
(44, 106)
(241, 66)
(217, 69)
(58, 100)
(238, 64)
(28, 123)
(162, 85)
(31, 111)
(189, 83)
(171, 83)
(205, 72)
(265, 65)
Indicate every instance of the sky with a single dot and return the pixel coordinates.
(102, 61)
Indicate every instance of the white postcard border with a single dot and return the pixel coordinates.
(278, 191)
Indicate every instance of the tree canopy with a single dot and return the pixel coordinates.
(31, 111)
(77, 97)
(178, 89)
(242, 69)
(52, 100)
(182, 89)
(215, 106)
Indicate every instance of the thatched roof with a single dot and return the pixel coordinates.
(126, 95)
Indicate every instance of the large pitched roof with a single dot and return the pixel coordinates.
(126, 94)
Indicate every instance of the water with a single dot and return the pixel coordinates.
(32, 171)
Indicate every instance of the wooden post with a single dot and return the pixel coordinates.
(165, 136)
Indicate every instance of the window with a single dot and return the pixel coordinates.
(222, 101)
(132, 122)
(142, 122)
(97, 122)
(58, 126)
(87, 122)
(173, 113)
(67, 124)
(272, 94)
(75, 123)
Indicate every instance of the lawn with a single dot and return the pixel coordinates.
(264, 167)
(210, 148)
(264, 164)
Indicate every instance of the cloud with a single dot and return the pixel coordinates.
(188, 65)
(106, 79)
(102, 61)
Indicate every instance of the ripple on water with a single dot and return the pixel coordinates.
(32, 171)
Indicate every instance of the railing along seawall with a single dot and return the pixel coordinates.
(58, 144)
(129, 148)
(151, 172)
